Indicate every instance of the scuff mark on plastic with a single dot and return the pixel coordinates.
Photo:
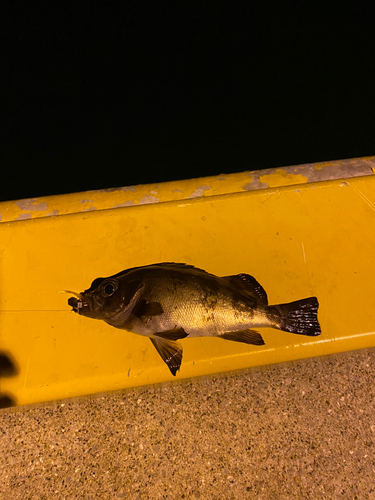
(255, 184)
(112, 190)
(177, 191)
(31, 204)
(199, 191)
(54, 212)
(90, 209)
(324, 164)
(86, 201)
(24, 216)
(128, 203)
(27, 371)
(282, 178)
(148, 199)
(304, 255)
(107, 190)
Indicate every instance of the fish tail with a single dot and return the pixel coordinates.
(300, 317)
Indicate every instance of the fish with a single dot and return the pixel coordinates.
(169, 301)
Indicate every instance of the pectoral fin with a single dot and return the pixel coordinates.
(152, 309)
(245, 336)
(175, 334)
(147, 309)
(170, 351)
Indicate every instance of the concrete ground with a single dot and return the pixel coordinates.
(303, 430)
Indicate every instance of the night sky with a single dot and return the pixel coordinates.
(130, 92)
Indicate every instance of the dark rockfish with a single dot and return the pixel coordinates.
(167, 302)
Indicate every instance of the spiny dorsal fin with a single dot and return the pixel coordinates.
(245, 336)
(176, 265)
(249, 285)
(170, 352)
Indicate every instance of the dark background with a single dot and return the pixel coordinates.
(127, 92)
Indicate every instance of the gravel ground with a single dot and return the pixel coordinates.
(301, 430)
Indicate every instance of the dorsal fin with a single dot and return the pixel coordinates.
(176, 265)
(249, 285)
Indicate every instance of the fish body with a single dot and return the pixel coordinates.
(168, 302)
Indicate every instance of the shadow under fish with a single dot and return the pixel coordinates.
(168, 302)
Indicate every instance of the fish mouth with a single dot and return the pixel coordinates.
(75, 303)
(78, 305)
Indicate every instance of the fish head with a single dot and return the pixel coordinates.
(103, 300)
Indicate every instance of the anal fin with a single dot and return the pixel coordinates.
(246, 336)
(170, 352)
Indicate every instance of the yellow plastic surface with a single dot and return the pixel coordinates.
(311, 239)
(144, 194)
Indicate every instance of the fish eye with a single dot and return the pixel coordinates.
(108, 288)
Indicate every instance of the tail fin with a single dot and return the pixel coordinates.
(300, 317)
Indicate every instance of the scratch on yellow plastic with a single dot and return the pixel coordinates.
(318, 240)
